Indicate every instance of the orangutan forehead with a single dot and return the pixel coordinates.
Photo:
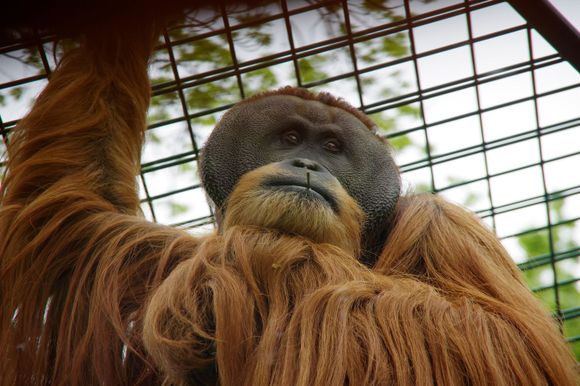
(280, 108)
(314, 111)
(314, 103)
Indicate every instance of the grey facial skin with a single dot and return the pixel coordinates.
(288, 128)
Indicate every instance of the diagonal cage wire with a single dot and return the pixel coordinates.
(477, 105)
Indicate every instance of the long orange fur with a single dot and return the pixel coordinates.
(92, 294)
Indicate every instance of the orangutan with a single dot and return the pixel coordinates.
(320, 273)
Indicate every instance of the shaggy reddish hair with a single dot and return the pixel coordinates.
(92, 294)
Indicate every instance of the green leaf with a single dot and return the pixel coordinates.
(177, 208)
(410, 110)
(153, 137)
(185, 168)
(422, 188)
(158, 116)
(400, 142)
(17, 92)
(471, 199)
(260, 80)
(394, 45)
(208, 120)
(310, 68)
(385, 124)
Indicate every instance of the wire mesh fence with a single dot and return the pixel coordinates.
(476, 104)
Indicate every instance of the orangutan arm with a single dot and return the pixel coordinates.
(76, 264)
(85, 130)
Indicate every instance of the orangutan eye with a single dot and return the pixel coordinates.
(333, 146)
(291, 138)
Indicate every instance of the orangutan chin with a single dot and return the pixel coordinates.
(319, 273)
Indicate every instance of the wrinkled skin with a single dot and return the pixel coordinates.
(285, 127)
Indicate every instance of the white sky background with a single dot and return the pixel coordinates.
(489, 55)
(436, 69)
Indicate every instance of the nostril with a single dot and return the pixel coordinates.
(306, 164)
(298, 163)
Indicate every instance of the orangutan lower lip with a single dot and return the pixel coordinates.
(301, 189)
(290, 184)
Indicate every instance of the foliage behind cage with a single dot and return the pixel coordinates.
(477, 105)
